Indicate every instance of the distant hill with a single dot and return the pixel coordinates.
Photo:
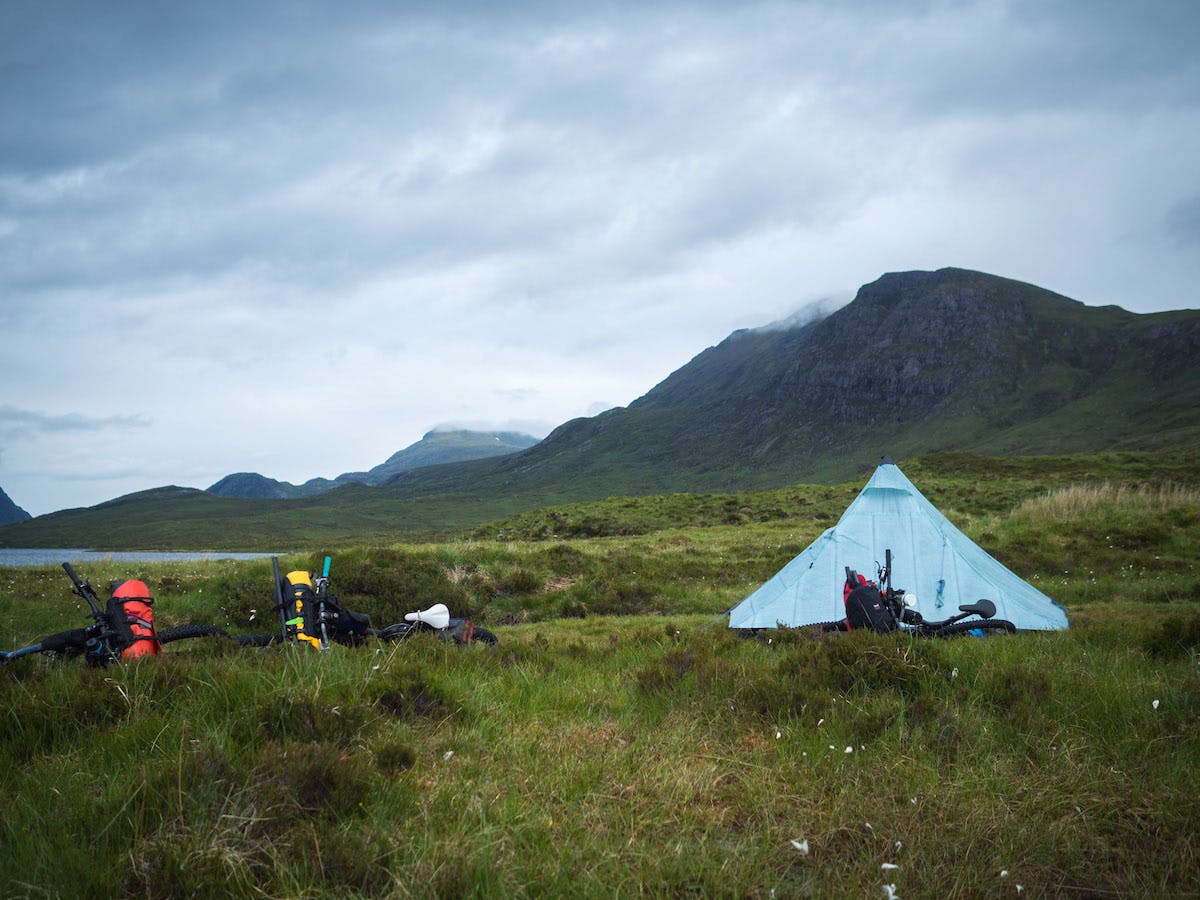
(918, 363)
(435, 448)
(252, 486)
(9, 511)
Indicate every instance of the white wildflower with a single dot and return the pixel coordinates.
(889, 891)
(889, 866)
(954, 674)
(849, 749)
(446, 757)
(1155, 704)
(801, 846)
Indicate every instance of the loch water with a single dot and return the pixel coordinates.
(41, 556)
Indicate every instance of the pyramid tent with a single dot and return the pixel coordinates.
(930, 558)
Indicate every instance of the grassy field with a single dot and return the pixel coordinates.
(612, 744)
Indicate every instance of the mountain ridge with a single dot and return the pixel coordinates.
(1001, 365)
(436, 447)
(10, 512)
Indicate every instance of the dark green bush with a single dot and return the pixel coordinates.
(300, 718)
(665, 675)
(242, 594)
(1176, 637)
(1014, 693)
(863, 662)
(562, 560)
(386, 584)
(393, 757)
(65, 706)
(619, 594)
(410, 695)
(350, 861)
(305, 778)
(571, 608)
(520, 580)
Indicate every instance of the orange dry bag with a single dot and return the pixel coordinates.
(132, 614)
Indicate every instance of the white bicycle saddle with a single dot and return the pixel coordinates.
(437, 616)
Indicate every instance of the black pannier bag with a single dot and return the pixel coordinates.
(865, 609)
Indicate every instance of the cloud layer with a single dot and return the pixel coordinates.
(293, 237)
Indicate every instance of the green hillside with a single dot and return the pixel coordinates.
(181, 518)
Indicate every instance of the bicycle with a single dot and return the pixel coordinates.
(309, 613)
(899, 611)
(123, 630)
(436, 620)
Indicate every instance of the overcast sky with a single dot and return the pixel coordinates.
(292, 237)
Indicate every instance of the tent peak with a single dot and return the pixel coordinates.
(886, 461)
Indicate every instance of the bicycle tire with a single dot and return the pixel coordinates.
(196, 630)
(829, 627)
(257, 640)
(182, 632)
(987, 626)
(482, 636)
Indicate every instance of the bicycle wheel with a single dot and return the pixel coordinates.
(257, 640)
(987, 627)
(181, 632)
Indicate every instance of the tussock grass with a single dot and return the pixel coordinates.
(612, 756)
(613, 745)
(1078, 500)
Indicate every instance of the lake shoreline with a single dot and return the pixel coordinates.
(19, 557)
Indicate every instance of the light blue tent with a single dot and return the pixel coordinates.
(930, 558)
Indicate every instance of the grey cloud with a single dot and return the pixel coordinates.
(818, 309)
(1183, 222)
(538, 428)
(518, 394)
(16, 421)
(236, 159)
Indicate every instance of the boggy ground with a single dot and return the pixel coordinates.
(612, 744)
